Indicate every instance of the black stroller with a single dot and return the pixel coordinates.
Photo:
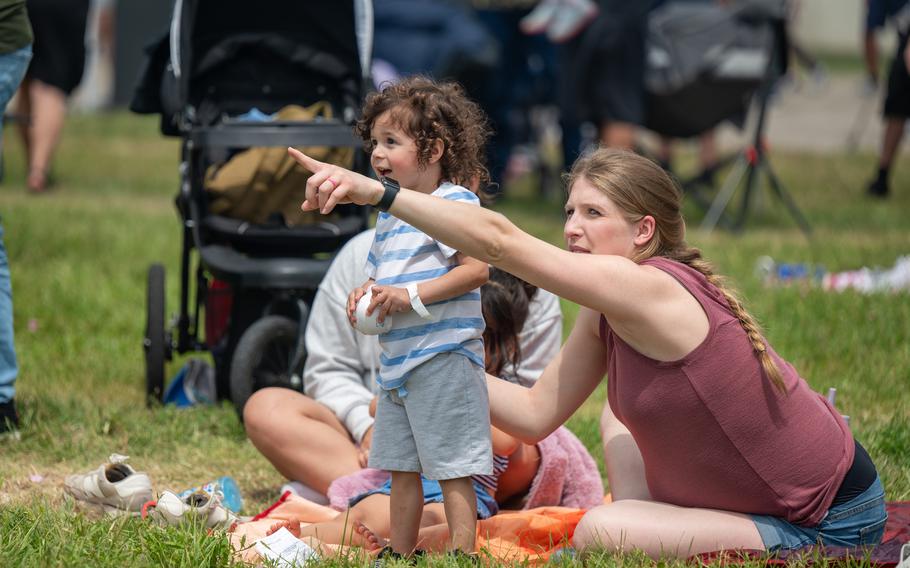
(254, 281)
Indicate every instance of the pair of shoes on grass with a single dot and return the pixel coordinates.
(118, 489)
(200, 507)
(115, 487)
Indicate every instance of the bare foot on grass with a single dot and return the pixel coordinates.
(369, 540)
(292, 526)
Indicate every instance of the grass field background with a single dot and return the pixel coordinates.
(79, 257)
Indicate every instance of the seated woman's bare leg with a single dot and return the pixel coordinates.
(664, 531)
(303, 439)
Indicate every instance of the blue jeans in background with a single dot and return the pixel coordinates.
(8, 367)
(12, 69)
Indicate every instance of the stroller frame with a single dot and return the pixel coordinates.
(273, 273)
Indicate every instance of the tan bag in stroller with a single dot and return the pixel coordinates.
(259, 182)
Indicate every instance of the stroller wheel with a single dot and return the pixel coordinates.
(155, 343)
(264, 357)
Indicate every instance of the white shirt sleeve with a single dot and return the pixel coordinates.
(540, 338)
(341, 363)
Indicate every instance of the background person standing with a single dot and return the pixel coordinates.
(15, 53)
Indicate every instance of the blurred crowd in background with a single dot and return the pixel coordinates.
(557, 74)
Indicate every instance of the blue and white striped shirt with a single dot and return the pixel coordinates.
(400, 255)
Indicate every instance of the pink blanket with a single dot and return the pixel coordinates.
(567, 477)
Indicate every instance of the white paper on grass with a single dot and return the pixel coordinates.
(285, 549)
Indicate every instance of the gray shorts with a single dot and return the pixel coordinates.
(441, 428)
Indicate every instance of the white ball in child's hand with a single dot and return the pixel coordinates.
(368, 325)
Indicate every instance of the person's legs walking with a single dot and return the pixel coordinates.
(896, 112)
(45, 124)
(891, 139)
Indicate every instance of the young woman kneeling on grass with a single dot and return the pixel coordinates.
(712, 441)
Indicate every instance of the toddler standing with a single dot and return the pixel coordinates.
(433, 412)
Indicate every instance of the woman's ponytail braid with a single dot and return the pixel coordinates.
(691, 256)
(638, 187)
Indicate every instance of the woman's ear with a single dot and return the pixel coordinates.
(644, 230)
(436, 150)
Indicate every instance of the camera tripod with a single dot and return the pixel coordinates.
(751, 163)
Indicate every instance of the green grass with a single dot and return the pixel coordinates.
(79, 258)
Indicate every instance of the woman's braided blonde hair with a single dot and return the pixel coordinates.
(639, 187)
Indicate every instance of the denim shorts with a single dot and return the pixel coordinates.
(432, 493)
(858, 522)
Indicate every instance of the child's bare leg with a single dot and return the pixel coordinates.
(406, 507)
(348, 528)
(461, 512)
(434, 532)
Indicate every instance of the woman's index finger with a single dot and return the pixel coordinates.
(305, 161)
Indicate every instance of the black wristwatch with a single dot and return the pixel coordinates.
(388, 196)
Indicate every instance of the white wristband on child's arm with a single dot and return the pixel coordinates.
(416, 302)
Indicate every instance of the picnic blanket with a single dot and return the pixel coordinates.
(534, 535)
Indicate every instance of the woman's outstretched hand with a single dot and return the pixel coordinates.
(331, 185)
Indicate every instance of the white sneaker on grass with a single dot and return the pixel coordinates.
(200, 506)
(115, 487)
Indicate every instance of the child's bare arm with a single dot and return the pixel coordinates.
(468, 275)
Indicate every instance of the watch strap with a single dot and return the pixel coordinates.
(388, 196)
(416, 302)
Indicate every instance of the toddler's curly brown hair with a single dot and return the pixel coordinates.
(428, 110)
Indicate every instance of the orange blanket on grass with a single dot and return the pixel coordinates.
(531, 535)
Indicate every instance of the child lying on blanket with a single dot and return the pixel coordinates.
(366, 523)
(505, 317)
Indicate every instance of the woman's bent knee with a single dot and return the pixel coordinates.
(604, 528)
(260, 408)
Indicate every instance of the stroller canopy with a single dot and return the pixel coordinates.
(228, 56)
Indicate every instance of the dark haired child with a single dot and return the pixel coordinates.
(433, 411)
